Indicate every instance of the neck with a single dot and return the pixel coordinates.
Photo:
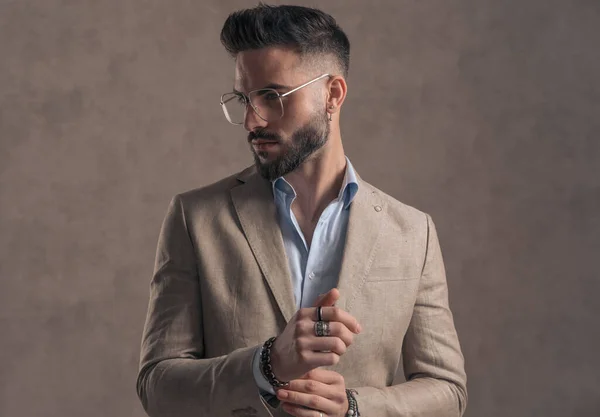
(319, 179)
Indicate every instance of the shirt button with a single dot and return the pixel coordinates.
(311, 275)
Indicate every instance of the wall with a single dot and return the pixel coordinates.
(485, 114)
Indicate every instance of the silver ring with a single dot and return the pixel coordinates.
(322, 328)
(319, 313)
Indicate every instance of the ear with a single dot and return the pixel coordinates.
(337, 88)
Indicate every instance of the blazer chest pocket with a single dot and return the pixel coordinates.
(380, 273)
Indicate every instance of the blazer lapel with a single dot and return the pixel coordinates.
(364, 225)
(253, 202)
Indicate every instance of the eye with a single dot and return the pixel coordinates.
(240, 99)
(267, 94)
(271, 95)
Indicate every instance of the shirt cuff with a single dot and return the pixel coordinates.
(261, 381)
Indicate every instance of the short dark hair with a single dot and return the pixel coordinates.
(306, 30)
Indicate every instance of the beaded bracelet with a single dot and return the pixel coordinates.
(352, 403)
(265, 365)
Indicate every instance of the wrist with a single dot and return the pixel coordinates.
(266, 365)
(276, 363)
(352, 403)
(259, 378)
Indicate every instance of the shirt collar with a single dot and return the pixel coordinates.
(347, 192)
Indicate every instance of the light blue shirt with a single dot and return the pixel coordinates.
(314, 270)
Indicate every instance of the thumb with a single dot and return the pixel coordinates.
(328, 299)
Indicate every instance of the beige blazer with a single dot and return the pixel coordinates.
(222, 286)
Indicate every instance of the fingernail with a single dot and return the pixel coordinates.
(282, 394)
(358, 328)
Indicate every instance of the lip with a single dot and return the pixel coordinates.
(263, 142)
(264, 146)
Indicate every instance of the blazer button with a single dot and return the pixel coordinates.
(377, 208)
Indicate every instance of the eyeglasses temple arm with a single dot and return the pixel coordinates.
(304, 85)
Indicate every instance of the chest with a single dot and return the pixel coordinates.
(314, 252)
(306, 227)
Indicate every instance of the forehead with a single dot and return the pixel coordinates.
(261, 67)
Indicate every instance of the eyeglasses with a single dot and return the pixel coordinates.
(266, 102)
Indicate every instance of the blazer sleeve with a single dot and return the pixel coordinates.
(175, 378)
(433, 363)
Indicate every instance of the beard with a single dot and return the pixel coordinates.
(303, 143)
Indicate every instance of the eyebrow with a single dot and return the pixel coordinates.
(278, 86)
(274, 86)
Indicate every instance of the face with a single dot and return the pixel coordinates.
(280, 146)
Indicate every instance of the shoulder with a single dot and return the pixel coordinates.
(404, 228)
(215, 195)
(397, 211)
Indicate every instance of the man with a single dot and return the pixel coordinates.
(295, 287)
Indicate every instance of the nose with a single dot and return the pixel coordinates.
(251, 120)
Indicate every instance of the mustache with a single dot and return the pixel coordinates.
(263, 134)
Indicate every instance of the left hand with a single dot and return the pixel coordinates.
(318, 391)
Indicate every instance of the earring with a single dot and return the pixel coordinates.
(330, 108)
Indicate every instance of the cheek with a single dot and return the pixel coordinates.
(300, 107)
(287, 125)
(296, 115)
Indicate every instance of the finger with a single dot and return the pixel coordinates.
(320, 344)
(339, 315)
(324, 376)
(320, 297)
(333, 392)
(313, 401)
(310, 386)
(336, 329)
(328, 299)
(316, 359)
(300, 411)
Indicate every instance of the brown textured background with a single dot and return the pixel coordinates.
(486, 114)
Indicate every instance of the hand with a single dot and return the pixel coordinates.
(318, 391)
(328, 299)
(298, 350)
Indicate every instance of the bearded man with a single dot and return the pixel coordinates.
(294, 287)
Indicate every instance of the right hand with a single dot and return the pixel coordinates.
(298, 350)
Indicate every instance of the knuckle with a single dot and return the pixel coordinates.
(301, 344)
(309, 327)
(340, 346)
(335, 328)
(311, 386)
(298, 329)
(312, 374)
(314, 402)
(344, 334)
(303, 355)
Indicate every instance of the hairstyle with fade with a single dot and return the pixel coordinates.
(308, 31)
